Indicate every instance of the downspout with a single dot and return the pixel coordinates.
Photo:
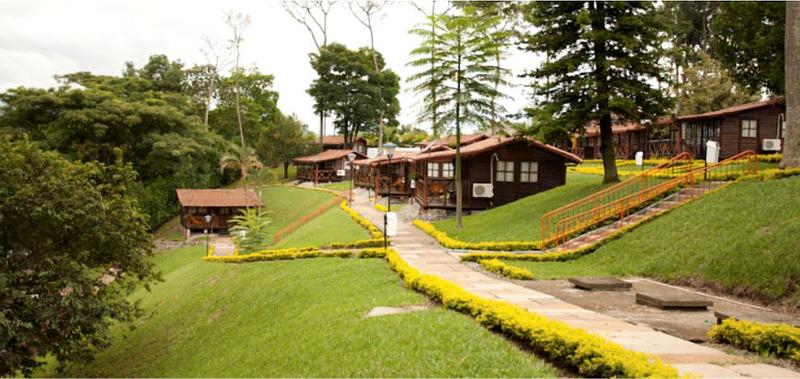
(493, 159)
(780, 119)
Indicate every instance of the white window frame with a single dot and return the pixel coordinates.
(528, 172)
(504, 172)
(433, 170)
(447, 170)
(783, 127)
(749, 129)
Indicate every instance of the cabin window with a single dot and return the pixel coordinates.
(749, 128)
(433, 170)
(783, 127)
(224, 211)
(529, 172)
(447, 170)
(505, 171)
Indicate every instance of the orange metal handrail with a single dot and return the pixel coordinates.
(620, 199)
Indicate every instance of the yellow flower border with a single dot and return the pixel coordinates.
(499, 267)
(780, 340)
(452, 243)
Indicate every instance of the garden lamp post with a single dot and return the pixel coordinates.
(351, 157)
(207, 219)
(389, 149)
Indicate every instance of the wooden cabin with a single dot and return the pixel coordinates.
(221, 204)
(337, 143)
(327, 166)
(759, 126)
(629, 137)
(450, 141)
(384, 176)
(495, 171)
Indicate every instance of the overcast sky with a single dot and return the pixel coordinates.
(40, 39)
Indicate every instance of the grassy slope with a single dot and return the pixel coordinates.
(520, 220)
(297, 318)
(744, 237)
(332, 226)
(338, 186)
(286, 204)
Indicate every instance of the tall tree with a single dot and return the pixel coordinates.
(237, 23)
(605, 55)
(244, 159)
(463, 77)
(689, 33)
(364, 11)
(69, 262)
(313, 15)
(217, 59)
(748, 40)
(429, 80)
(791, 148)
(284, 139)
(708, 87)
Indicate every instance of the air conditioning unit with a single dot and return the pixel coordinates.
(771, 145)
(482, 190)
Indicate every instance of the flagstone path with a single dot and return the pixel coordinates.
(223, 246)
(425, 254)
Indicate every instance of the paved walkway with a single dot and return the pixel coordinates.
(426, 255)
(223, 246)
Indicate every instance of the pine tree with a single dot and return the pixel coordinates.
(604, 60)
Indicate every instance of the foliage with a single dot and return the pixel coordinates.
(708, 87)
(74, 245)
(498, 267)
(747, 244)
(748, 40)
(243, 158)
(405, 135)
(250, 230)
(349, 86)
(294, 253)
(258, 102)
(780, 340)
(588, 354)
(451, 243)
(603, 62)
(284, 139)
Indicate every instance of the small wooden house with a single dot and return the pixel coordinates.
(759, 126)
(629, 137)
(495, 171)
(387, 177)
(327, 166)
(220, 204)
(337, 143)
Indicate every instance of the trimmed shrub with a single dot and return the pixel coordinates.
(780, 340)
(451, 243)
(498, 267)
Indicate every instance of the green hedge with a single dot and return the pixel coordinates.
(780, 340)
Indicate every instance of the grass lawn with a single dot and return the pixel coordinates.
(332, 226)
(298, 319)
(170, 230)
(744, 238)
(520, 220)
(344, 185)
(286, 204)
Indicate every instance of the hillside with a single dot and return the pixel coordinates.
(520, 220)
(297, 318)
(742, 239)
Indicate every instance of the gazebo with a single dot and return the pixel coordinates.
(327, 166)
(220, 204)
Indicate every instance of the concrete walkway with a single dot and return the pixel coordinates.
(223, 246)
(425, 254)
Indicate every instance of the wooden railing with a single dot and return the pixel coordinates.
(317, 175)
(618, 201)
(437, 192)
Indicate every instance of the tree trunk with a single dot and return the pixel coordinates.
(603, 93)
(791, 147)
(321, 127)
(459, 194)
(286, 169)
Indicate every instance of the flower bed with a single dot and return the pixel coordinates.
(292, 254)
(588, 354)
(498, 267)
(452, 243)
(780, 340)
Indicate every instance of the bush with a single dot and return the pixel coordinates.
(589, 354)
(498, 267)
(451, 243)
(780, 340)
(294, 253)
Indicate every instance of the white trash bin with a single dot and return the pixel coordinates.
(712, 152)
(391, 224)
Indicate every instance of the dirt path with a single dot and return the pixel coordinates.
(426, 255)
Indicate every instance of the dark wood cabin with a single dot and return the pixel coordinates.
(737, 129)
(495, 171)
(450, 141)
(221, 204)
(327, 166)
(384, 176)
(629, 137)
(337, 143)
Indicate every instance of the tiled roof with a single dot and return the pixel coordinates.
(594, 128)
(733, 110)
(491, 144)
(337, 140)
(327, 155)
(383, 159)
(218, 198)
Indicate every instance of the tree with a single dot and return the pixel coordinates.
(349, 87)
(430, 79)
(708, 87)
(463, 76)
(363, 11)
(250, 230)
(69, 262)
(748, 39)
(285, 139)
(791, 147)
(689, 32)
(604, 59)
(258, 104)
(207, 76)
(244, 159)
(313, 15)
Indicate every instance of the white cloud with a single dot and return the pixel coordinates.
(40, 39)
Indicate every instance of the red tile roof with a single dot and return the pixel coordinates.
(327, 155)
(733, 110)
(338, 140)
(491, 144)
(594, 128)
(218, 198)
(466, 139)
(382, 159)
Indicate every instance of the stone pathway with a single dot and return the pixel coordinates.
(223, 246)
(425, 254)
(651, 211)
